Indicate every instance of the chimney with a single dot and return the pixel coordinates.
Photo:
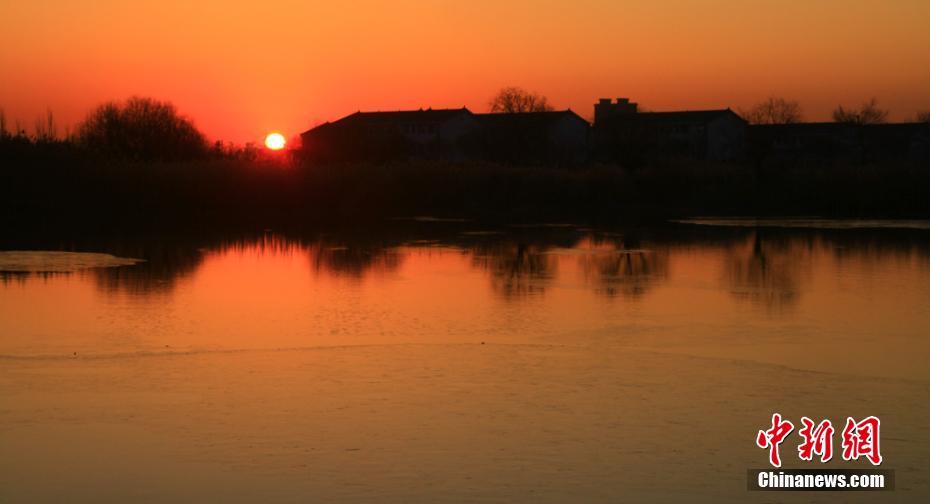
(605, 108)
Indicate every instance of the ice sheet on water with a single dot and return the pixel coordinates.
(40, 261)
(813, 223)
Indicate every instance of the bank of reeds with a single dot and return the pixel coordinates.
(54, 184)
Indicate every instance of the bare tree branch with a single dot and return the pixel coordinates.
(515, 99)
(868, 113)
(774, 110)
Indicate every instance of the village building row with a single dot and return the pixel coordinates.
(824, 142)
(451, 134)
(620, 133)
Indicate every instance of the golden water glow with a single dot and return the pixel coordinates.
(348, 369)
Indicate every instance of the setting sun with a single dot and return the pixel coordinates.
(275, 141)
(507, 250)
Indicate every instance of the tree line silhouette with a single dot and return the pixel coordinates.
(147, 129)
(141, 129)
(141, 164)
(137, 129)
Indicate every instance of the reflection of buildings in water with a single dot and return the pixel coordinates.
(767, 271)
(516, 269)
(624, 272)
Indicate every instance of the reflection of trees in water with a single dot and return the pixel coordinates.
(768, 267)
(622, 267)
(768, 271)
(354, 260)
(168, 262)
(771, 267)
(517, 269)
(20, 277)
(872, 252)
(165, 264)
(157, 273)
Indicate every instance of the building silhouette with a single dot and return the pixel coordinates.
(848, 142)
(604, 109)
(621, 134)
(552, 138)
(385, 136)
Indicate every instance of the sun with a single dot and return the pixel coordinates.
(275, 141)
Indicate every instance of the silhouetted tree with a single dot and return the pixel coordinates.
(514, 99)
(46, 129)
(3, 131)
(774, 110)
(923, 116)
(141, 129)
(868, 113)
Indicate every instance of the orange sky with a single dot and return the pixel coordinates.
(240, 69)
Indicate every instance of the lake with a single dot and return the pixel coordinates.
(440, 361)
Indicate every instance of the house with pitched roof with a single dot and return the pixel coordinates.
(557, 137)
(622, 133)
(385, 136)
(550, 138)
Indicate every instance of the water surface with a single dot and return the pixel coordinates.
(457, 363)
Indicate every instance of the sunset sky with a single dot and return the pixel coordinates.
(241, 69)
